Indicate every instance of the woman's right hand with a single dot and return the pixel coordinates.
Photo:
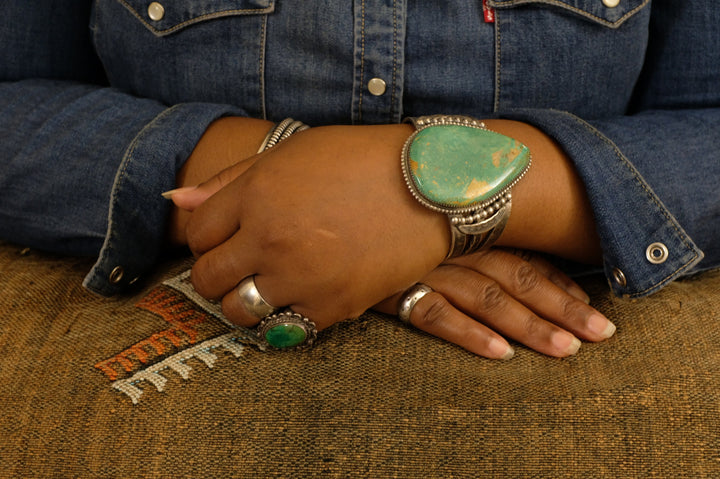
(323, 221)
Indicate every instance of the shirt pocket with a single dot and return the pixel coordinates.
(178, 51)
(610, 13)
(169, 16)
(582, 56)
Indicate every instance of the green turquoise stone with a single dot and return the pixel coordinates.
(285, 336)
(458, 166)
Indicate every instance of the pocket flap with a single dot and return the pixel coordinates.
(164, 17)
(595, 10)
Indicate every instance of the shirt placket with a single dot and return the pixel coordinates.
(379, 45)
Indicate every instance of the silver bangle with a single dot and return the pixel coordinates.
(281, 131)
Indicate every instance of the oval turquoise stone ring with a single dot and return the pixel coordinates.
(455, 168)
(287, 330)
(285, 336)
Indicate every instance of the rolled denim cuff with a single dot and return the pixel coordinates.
(644, 246)
(137, 218)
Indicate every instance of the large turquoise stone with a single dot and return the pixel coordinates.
(458, 166)
(285, 336)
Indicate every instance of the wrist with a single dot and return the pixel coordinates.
(226, 141)
(551, 211)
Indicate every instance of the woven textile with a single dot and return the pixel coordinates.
(155, 385)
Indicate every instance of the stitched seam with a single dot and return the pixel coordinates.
(496, 103)
(261, 67)
(109, 237)
(395, 60)
(207, 16)
(650, 196)
(95, 27)
(579, 11)
(362, 60)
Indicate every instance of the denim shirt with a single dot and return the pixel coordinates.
(101, 103)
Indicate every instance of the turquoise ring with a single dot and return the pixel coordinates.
(287, 330)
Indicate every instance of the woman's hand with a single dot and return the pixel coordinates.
(323, 221)
(481, 299)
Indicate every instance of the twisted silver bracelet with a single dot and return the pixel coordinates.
(280, 132)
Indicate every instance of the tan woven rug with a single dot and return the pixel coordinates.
(155, 385)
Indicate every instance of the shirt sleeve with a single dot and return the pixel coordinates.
(83, 167)
(649, 179)
(651, 174)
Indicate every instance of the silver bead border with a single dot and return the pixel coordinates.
(458, 215)
(287, 316)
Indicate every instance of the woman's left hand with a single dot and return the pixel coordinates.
(481, 300)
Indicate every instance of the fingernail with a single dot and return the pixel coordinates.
(501, 349)
(169, 194)
(566, 343)
(600, 325)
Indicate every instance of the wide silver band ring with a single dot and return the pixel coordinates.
(253, 301)
(410, 298)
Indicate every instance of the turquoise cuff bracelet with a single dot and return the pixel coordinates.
(456, 166)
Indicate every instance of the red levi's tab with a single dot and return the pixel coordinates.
(489, 12)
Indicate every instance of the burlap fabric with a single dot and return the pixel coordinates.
(155, 386)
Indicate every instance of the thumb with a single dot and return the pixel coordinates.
(190, 197)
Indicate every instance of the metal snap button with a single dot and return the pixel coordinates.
(156, 11)
(619, 277)
(377, 86)
(611, 3)
(657, 253)
(116, 275)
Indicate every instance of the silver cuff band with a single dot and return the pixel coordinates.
(488, 224)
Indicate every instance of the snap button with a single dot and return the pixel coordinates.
(156, 11)
(611, 3)
(619, 277)
(657, 253)
(376, 86)
(116, 275)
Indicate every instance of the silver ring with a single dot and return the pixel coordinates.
(253, 300)
(287, 330)
(410, 298)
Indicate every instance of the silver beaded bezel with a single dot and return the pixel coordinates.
(287, 317)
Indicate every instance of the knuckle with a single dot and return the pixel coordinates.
(526, 278)
(532, 325)
(201, 277)
(489, 296)
(193, 239)
(572, 308)
(558, 278)
(432, 310)
(225, 177)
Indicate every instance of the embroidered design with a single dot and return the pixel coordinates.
(197, 330)
(177, 362)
